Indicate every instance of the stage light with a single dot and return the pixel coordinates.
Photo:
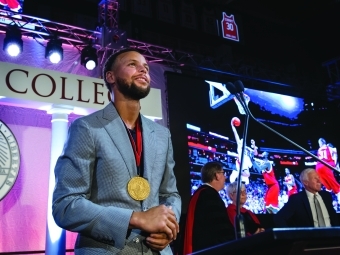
(54, 51)
(89, 57)
(13, 43)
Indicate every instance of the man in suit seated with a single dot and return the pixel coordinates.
(311, 207)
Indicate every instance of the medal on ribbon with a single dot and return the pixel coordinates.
(138, 188)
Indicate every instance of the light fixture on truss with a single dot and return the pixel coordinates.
(89, 57)
(54, 50)
(13, 44)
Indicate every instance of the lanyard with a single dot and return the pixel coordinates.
(137, 146)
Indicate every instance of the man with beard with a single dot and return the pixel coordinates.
(115, 183)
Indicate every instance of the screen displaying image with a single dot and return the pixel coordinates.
(207, 124)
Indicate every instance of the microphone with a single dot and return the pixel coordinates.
(240, 95)
(231, 88)
(240, 88)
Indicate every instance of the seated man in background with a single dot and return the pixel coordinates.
(251, 222)
(207, 222)
(311, 207)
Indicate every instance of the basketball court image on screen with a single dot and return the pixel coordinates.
(206, 126)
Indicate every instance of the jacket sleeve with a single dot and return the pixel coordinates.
(168, 193)
(72, 208)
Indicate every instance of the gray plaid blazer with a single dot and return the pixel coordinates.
(90, 195)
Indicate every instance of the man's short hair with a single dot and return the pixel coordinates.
(111, 61)
(304, 175)
(208, 171)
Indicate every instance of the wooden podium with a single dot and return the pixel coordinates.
(290, 241)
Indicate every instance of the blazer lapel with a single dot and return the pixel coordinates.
(115, 127)
(149, 148)
(307, 206)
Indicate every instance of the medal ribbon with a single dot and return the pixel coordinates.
(137, 146)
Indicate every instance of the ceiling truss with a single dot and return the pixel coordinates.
(42, 29)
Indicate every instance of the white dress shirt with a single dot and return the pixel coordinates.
(323, 209)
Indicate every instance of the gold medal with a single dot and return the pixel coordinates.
(138, 188)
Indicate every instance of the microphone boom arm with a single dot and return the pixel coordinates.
(288, 140)
(239, 221)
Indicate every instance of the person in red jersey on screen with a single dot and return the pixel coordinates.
(273, 189)
(289, 181)
(334, 153)
(326, 174)
(13, 5)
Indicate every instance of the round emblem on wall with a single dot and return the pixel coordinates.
(9, 159)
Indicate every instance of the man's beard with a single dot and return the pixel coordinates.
(131, 91)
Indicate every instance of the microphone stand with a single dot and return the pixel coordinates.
(288, 140)
(239, 221)
(238, 92)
